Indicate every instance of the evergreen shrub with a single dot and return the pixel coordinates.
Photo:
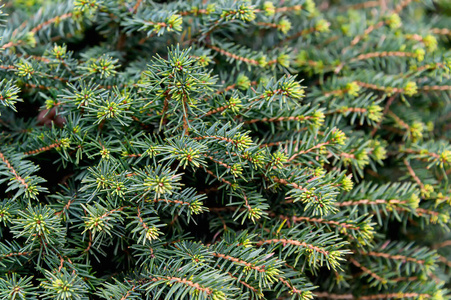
(225, 149)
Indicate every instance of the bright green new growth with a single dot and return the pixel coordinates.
(224, 150)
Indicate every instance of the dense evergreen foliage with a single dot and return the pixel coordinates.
(225, 149)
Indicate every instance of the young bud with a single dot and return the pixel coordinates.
(394, 21)
(25, 69)
(152, 233)
(278, 159)
(87, 6)
(301, 58)
(445, 158)
(419, 54)
(236, 169)
(318, 118)
(243, 82)
(414, 201)
(269, 8)
(30, 39)
(416, 131)
(379, 152)
(310, 6)
(262, 61)
(338, 136)
(174, 23)
(427, 190)
(322, 26)
(346, 183)
(284, 25)
(234, 105)
(352, 88)
(283, 60)
(410, 88)
(375, 113)
(59, 52)
(430, 42)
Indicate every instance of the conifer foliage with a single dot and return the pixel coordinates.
(224, 149)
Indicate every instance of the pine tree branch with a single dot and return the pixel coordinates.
(444, 260)
(384, 112)
(367, 271)
(43, 149)
(370, 297)
(218, 178)
(374, 55)
(442, 31)
(279, 119)
(412, 173)
(442, 244)
(295, 219)
(394, 257)
(371, 202)
(56, 19)
(184, 281)
(13, 171)
(254, 289)
(233, 56)
(295, 243)
(239, 261)
(292, 289)
(136, 6)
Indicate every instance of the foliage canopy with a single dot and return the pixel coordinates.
(224, 149)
